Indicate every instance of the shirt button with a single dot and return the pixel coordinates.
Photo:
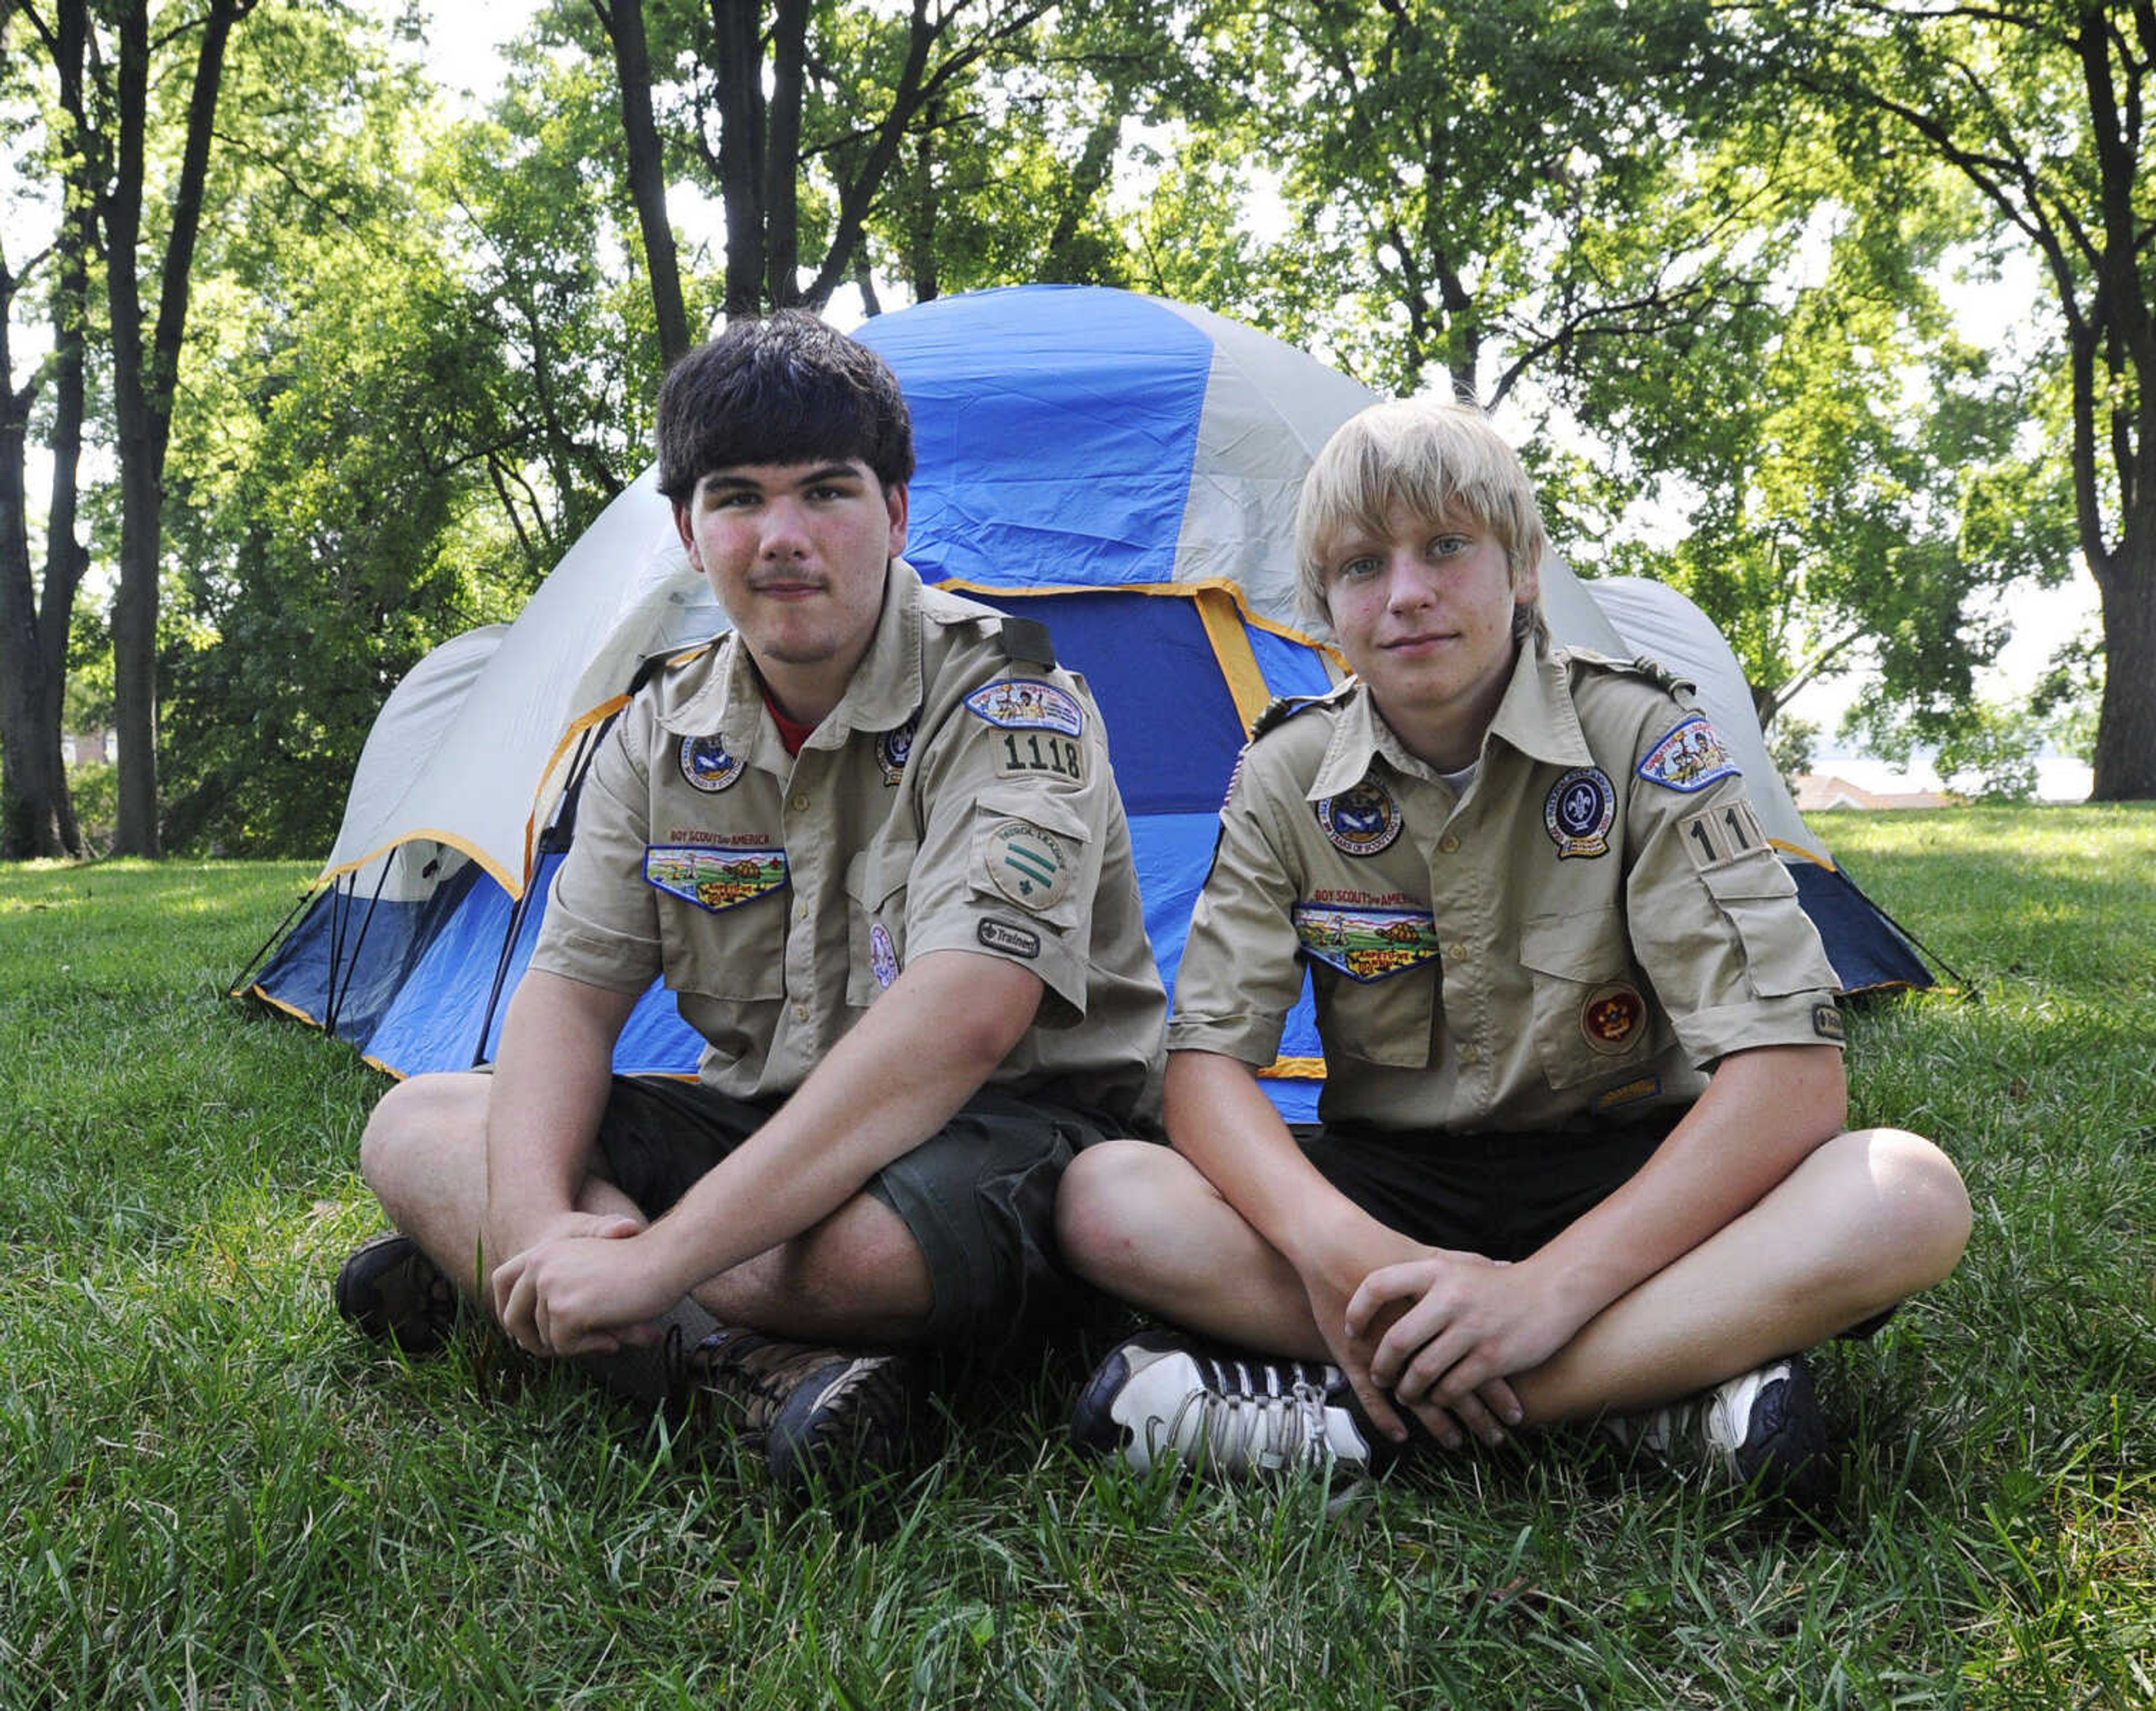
(1457, 950)
(1467, 1055)
(1448, 844)
(799, 804)
(801, 1012)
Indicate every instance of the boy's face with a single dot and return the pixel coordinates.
(1423, 609)
(796, 553)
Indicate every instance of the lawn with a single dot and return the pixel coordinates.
(211, 1493)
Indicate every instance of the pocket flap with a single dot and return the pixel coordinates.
(1583, 944)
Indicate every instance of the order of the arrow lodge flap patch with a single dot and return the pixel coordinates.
(1365, 943)
(713, 878)
(1689, 757)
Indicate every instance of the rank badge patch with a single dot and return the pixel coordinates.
(1611, 1018)
(883, 955)
(893, 749)
(1361, 820)
(1690, 757)
(1365, 943)
(1581, 805)
(706, 764)
(1025, 703)
(1030, 865)
(714, 879)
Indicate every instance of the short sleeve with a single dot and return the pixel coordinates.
(1240, 972)
(1713, 914)
(602, 920)
(1017, 804)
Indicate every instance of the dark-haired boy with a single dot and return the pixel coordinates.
(1582, 1151)
(871, 840)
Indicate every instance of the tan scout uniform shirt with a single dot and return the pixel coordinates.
(956, 798)
(1597, 917)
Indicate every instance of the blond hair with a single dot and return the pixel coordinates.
(1433, 458)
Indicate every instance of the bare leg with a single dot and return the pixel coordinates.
(1872, 1217)
(855, 1277)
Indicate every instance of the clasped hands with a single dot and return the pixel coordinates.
(1440, 1336)
(578, 1284)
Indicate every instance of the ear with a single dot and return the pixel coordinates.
(1528, 588)
(686, 530)
(895, 506)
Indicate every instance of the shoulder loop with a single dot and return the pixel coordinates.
(1638, 665)
(1280, 710)
(651, 665)
(1026, 639)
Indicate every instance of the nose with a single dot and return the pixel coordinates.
(784, 534)
(1407, 587)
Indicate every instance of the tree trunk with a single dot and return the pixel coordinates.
(623, 21)
(740, 77)
(28, 825)
(2126, 725)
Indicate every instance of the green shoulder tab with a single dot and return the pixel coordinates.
(1026, 639)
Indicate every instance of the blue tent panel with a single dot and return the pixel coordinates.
(1867, 949)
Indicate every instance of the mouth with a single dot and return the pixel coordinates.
(786, 588)
(1417, 644)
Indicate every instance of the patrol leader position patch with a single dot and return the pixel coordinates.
(1690, 756)
(1030, 865)
(713, 878)
(1025, 703)
(1581, 805)
(1361, 820)
(894, 748)
(1365, 943)
(1611, 1018)
(706, 764)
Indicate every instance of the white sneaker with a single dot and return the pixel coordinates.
(1760, 1429)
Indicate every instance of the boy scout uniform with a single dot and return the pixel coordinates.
(958, 797)
(1569, 941)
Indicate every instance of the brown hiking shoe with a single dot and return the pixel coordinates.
(831, 1420)
(392, 1290)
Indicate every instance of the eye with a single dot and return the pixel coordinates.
(1356, 570)
(1446, 546)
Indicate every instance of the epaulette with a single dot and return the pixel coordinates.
(1026, 639)
(1280, 709)
(1638, 665)
(651, 665)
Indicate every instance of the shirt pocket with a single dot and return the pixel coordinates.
(1587, 1008)
(1781, 947)
(875, 919)
(1031, 853)
(1388, 1020)
(728, 969)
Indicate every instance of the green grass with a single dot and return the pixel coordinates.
(212, 1494)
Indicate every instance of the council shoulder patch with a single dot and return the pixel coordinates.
(1690, 756)
(1365, 943)
(1581, 807)
(714, 879)
(706, 764)
(894, 748)
(1611, 1018)
(1026, 703)
(1363, 820)
(1029, 864)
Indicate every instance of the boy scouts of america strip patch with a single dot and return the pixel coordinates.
(1362, 821)
(1025, 703)
(1365, 943)
(706, 764)
(1030, 865)
(714, 879)
(1690, 757)
(1581, 805)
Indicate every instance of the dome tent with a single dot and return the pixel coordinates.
(1123, 469)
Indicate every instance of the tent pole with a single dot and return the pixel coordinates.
(239, 982)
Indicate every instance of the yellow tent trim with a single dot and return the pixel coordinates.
(1294, 1070)
(494, 870)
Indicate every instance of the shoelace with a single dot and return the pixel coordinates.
(1239, 1428)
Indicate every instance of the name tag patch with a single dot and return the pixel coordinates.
(1689, 757)
(1365, 945)
(1361, 820)
(706, 764)
(714, 879)
(1025, 703)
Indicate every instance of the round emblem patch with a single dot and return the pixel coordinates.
(892, 748)
(1361, 820)
(706, 764)
(1611, 1018)
(1029, 865)
(883, 955)
(1581, 805)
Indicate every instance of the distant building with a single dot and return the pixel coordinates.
(1814, 790)
(87, 748)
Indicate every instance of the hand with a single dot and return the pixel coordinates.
(1457, 1326)
(587, 1290)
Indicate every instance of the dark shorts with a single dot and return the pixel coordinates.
(978, 1196)
(1503, 1196)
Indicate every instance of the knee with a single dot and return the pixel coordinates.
(1109, 1207)
(1922, 1205)
(410, 1123)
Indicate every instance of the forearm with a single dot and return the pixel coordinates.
(923, 1049)
(1764, 1112)
(550, 1080)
